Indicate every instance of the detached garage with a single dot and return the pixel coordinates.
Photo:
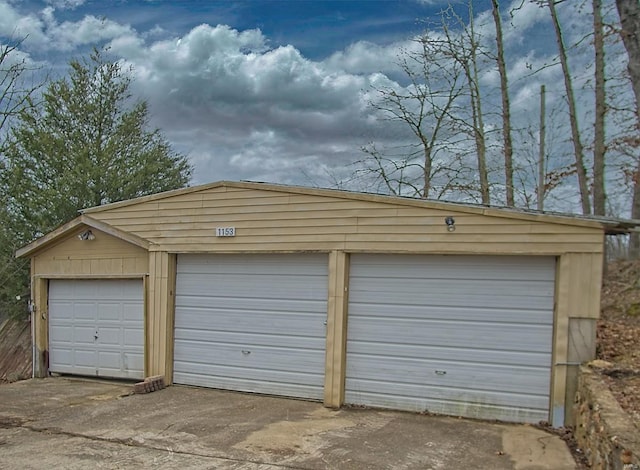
(329, 295)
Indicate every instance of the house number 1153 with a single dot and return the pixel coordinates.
(225, 232)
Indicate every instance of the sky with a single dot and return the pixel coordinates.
(278, 90)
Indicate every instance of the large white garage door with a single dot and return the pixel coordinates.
(96, 327)
(461, 335)
(253, 323)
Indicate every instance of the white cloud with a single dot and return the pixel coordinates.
(366, 57)
(65, 4)
(244, 110)
(41, 31)
(17, 26)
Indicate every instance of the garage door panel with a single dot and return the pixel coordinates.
(93, 311)
(457, 376)
(263, 287)
(440, 312)
(404, 391)
(265, 322)
(109, 360)
(130, 312)
(481, 335)
(466, 326)
(449, 288)
(455, 267)
(109, 336)
(83, 335)
(293, 389)
(264, 363)
(405, 294)
(133, 337)
(133, 361)
(62, 333)
(401, 351)
(256, 263)
(252, 323)
(203, 305)
(83, 310)
(242, 338)
(247, 371)
(109, 311)
(464, 405)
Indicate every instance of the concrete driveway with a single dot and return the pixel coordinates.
(80, 424)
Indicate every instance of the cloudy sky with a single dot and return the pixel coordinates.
(274, 90)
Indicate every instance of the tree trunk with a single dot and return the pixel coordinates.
(506, 108)
(573, 117)
(629, 12)
(634, 239)
(599, 194)
(476, 107)
(541, 153)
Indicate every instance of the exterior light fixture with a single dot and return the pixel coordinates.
(451, 224)
(87, 235)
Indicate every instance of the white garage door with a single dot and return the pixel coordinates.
(461, 335)
(96, 327)
(252, 323)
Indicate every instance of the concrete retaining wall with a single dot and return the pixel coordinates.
(604, 432)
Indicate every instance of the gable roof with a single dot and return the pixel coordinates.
(608, 225)
(64, 230)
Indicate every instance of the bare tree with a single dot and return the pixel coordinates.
(506, 108)
(424, 105)
(600, 112)
(629, 12)
(16, 88)
(463, 48)
(573, 115)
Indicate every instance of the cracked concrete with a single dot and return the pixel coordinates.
(73, 423)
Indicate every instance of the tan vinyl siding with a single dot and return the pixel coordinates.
(160, 307)
(336, 329)
(280, 221)
(106, 255)
(577, 296)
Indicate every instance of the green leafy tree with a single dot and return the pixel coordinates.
(85, 144)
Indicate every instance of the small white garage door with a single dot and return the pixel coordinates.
(253, 323)
(461, 335)
(96, 327)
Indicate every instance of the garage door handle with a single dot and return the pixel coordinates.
(95, 336)
(245, 352)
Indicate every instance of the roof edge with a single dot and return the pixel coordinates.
(155, 197)
(494, 211)
(611, 226)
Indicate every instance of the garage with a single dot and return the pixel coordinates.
(345, 297)
(252, 323)
(459, 335)
(96, 327)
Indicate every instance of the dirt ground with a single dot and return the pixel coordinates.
(619, 334)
